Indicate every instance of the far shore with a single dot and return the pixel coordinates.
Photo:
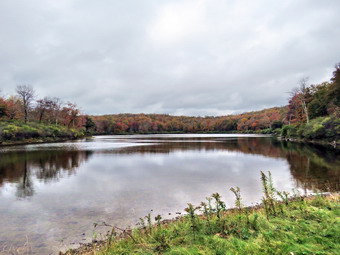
(325, 142)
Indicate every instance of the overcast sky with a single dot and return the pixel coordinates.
(192, 57)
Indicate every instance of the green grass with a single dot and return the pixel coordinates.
(294, 226)
(13, 131)
(303, 227)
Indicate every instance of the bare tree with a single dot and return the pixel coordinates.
(44, 105)
(3, 108)
(299, 99)
(56, 104)
(26, 94)
(303, 96)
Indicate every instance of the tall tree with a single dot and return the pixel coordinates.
(13, 110)
(26, 94)
(89, 125)
(335, 89)
(43, 106)
(56, 104)
(3, 107)
(303, 96)
(70, 114)
(319, 103)
(334, 92)
(300, 97)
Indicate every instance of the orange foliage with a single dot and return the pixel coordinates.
(148, 123)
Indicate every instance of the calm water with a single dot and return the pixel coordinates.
(51, 195)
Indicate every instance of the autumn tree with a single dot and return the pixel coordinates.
(70, 114)
(43, 106)
(303, 95)
(89, 125)
(55, 105)
(3, 107)
(298, 102)
(319, 103)
(333, 95)
(334, 91)
(295, 112)
(26, 94)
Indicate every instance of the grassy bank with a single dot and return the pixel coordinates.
(17, 132)
(281, 225)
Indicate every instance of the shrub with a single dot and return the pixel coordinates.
(284, 130)
(289, 131)
(322, 127)
(277, 124)
(277, 131)
(266, 131)
(15, 130)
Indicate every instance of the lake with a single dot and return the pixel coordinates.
(51, 195)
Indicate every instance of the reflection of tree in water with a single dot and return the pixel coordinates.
(49, 168)
(312, 166)
(51, 165)
(25, 188)
(263, 146)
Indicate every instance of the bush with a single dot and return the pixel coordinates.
(289, 131)
(277, 131)
(284, 130)
(16, 131)
(265, 131)
(277, 124)
(319, 128)
(9, 132)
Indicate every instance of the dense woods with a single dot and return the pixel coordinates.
(152, 123)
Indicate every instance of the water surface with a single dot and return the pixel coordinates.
(52, 194)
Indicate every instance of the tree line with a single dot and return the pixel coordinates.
(152, 123)
(26, 106)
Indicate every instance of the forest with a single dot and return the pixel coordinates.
(312, 112)
(153, 123)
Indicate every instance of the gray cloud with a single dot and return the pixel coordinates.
(195, 57)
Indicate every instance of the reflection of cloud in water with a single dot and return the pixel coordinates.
(71, 146)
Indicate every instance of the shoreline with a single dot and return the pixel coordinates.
(56, 140)
(324, 142)
(37, 141)
(127, 234)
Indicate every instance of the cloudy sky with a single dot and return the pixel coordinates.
(193, 57)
